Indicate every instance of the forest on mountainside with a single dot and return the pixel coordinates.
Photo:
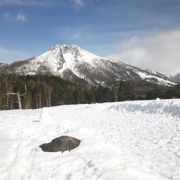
(44, 91)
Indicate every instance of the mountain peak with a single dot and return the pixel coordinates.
(65, 46)
(72, 53)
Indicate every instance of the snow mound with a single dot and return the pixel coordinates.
(164, 107)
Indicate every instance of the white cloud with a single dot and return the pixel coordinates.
(21, 2)
(160, 52)
(79, 3)
(16, 17)
(21, 17)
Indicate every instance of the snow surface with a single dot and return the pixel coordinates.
(137, 140)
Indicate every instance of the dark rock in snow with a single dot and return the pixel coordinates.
(62, 144)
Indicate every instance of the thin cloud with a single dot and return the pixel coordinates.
(4, 51)
(15, 17)
(6, 54)
(21, 17)
(158, 52)
(79, 3)
(23, 2)
(6, 15)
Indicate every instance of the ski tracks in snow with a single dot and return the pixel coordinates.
(23, 146)
(20, 132)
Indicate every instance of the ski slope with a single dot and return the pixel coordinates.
(138, 140)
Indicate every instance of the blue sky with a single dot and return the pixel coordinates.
(30, 27)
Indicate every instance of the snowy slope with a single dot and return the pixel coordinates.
(74, 63)
(137, 140)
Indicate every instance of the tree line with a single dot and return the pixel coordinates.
(31, 92)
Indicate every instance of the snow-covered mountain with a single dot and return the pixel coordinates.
(75, 64)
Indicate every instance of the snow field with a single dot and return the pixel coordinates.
(137, 140)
